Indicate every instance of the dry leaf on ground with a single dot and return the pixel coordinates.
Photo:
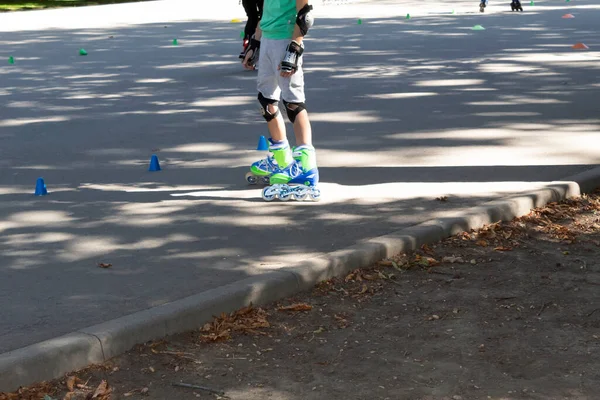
(419, 260)
(104, 265)
(426, 249)
(353, 276)
(432, 262)
(247, 320)
(502, 248)
(102, 392)
(341, 321)
(71, 380)
(296, 307)
(30, 393)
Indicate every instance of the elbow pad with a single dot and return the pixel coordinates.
(305, 20)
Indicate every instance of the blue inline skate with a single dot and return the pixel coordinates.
(262, 170)
(297, 180)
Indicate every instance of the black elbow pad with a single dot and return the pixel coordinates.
(305, 20)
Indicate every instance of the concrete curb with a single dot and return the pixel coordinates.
(53, 358)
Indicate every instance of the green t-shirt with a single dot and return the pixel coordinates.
(278, 19)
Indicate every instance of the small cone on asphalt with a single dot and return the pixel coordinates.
(580, 46)
(566, 16)
(154, 164)
(82, 52)
(478, 28)
(532, 3)
(407, 16)
(40, 187)
(11, 60)
(262, 144)
(359, 21)
(242, 34)
(175, 42)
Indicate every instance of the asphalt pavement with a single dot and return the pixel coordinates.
(404, 111)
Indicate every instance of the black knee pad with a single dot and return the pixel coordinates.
(293, 109)
(264, 102)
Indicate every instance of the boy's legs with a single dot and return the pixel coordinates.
(271, 86)
(299, 166)
(293, 99)
(269, 93)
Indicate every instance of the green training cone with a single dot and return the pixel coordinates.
(82, 52)
(175, 42)
(532, 3)
(478, 28)
(407, 16)
(242, 34)
(359, 22)
(11, 60)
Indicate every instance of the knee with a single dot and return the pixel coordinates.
(268, 108)
(293, 109)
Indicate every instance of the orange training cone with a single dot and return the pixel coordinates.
(580, 46)
(568, 16)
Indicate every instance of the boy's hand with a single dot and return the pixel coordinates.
(289, 64)
(252, 53)
(285, 73)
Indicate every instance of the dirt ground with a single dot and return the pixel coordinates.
(511, 311)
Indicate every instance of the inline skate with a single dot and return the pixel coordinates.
(261, 171)
(297, 180)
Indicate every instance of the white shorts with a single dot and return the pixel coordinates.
(270, 83)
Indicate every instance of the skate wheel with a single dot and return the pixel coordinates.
(301, 196)
(285, 196)
(315, 195)
(265, 180)
(251, 178)
(268, 194)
